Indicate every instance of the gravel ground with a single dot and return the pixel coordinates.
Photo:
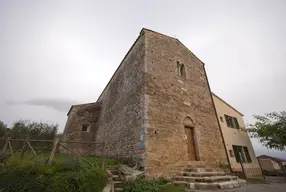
(274, 187)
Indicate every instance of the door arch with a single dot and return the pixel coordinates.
(191, 139)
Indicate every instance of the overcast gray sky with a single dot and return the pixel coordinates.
(60, 52)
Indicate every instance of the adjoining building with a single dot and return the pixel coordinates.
(272, 165)
(236, 139)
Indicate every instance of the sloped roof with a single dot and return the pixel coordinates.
(272, 158)
(79, 105)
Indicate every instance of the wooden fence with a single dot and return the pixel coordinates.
(23, 144)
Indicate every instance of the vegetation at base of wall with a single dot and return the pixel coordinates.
(171, 188)
(145, 185)
(69, 175)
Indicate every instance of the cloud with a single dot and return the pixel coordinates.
(57, 104)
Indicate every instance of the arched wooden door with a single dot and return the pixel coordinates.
(190, 140)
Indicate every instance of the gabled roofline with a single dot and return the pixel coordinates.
(172, 38)
(227, 104)
(145, 29)
(79, 105)
(140, 34)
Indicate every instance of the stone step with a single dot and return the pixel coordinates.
(116, 178)
(232, 184)
(211, 179)
(201, 174)
(196, 164)
(199, 169)
(217, 185)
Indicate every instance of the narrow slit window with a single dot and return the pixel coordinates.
(181, 69)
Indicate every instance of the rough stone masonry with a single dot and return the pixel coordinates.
(159, 92)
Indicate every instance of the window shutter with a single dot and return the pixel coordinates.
(236, 153)
(229, 121)
(247, 154)
(235, 122)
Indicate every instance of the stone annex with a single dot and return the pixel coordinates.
(157, 109)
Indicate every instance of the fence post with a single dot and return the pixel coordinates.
(33, 151)
(52, 155)
(23, 150)
(263, 176)
(102, 156)
(5, 146)
(243, 170)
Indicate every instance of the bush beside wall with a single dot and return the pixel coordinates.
(69, 176)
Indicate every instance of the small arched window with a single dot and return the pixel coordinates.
(181, 69)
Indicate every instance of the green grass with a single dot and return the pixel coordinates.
(22, 176)
(171, 188)
(67, 173)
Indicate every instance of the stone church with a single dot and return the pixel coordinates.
(157, 109)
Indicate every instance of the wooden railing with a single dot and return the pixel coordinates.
(7, 151)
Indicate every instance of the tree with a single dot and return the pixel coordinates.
(270, 130)
(33, 130)
(3, 129)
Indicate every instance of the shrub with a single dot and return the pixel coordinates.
(23, 176)
(171, 188)
(144, 185)
(162, 181)
(68, 165)
(141, 185)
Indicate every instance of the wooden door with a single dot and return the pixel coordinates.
(191, 143)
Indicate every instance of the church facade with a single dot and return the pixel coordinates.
(157, 109)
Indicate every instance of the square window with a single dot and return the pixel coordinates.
(221, 119)
(241, 154)
(231, 121)
(85, 128)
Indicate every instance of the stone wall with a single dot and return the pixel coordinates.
(77, 116)
(170, 99)
(147, 96)
(120, 122)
